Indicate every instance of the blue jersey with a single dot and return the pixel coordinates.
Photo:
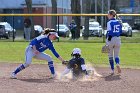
(114, 27)
(42, 43)
(72, 26)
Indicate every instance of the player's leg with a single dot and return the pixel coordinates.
(116, 54)
(110, 55)
(48, 58)
(28, 59)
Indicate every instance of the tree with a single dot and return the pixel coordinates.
(29, 10)
(86, 31)
(1, 11)
(54, 11)
(76, 9)
(113, 4)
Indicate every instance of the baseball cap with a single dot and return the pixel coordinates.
(54, 33)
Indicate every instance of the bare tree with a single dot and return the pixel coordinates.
(29, 5)
(29, 10)
(54, 11)
(113, 4)
(1, 11)
(86, 31)
(76, 8)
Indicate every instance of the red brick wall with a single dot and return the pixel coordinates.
(45, 21)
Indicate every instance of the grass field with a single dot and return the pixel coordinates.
(13, 52)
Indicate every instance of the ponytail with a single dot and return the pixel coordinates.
(119, 19)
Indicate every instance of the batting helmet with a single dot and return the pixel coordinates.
(76, 51)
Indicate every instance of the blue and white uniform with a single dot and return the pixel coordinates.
(41, 43)
(114, 29)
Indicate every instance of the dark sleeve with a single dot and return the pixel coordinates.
(82, 61)
(51, 47)
(70, 64)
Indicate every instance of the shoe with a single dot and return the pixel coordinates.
(13, 76)
(118, 68)
(53, 76)
(112, 73)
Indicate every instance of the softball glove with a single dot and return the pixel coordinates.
(105, 49)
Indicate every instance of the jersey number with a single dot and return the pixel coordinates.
(116, 28)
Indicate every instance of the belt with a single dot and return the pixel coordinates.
(116, 36)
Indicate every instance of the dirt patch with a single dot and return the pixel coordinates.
(35, 79)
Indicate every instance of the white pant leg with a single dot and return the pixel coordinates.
(29, 54)
(117, 47)
(111, 49)
(43, 56)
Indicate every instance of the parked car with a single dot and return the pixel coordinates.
(63, 30)
(6, 30)
(95, 29)
(126, 30)
(38, 30)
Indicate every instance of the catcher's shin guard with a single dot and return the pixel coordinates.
(51, 67)
(18, 69)
(111, 61)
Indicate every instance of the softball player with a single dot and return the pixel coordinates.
(76, 65)
(114, 29)
(36, 49)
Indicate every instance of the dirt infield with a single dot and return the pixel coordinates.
(35, 79)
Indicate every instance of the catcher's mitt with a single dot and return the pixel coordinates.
(105, 49)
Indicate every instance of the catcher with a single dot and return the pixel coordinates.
(76, 65)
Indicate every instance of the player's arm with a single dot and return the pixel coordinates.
(35, 50)
(109, 31)
(51, 47)
(83, 66)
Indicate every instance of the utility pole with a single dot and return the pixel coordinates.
(96, 9)
(102, 19)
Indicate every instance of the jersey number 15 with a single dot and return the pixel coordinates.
(116, 28)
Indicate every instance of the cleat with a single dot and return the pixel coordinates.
(112, 73)
(119, 69)
(53, 76)
(13, 76)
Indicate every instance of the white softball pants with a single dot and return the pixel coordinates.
(114, 46)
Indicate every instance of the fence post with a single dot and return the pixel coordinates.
(58, 26)
(13, 26)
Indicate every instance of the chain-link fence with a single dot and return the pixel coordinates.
(16, 30)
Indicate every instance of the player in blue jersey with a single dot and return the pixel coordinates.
(114, 29)
(36, 49)
(76, 65)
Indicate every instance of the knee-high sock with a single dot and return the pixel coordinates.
(18, 69)
(51, 67)
(111, 61)
(117, 60)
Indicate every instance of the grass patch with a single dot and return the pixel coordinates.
(13, 52)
